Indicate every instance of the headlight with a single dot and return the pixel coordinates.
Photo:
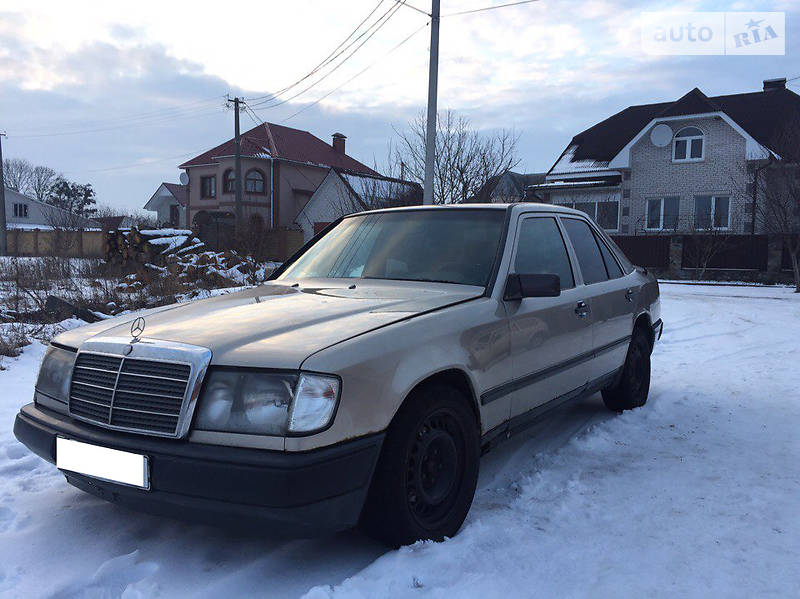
(55, 373)
(266, 403)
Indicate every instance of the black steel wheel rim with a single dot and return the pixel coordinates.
(435, 467)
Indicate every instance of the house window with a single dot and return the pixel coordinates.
(662, 213)
(254, 181)
(688, 145)
(604, 212)
(208, 187)
(229, 181)
(21, 210)
(712, 212)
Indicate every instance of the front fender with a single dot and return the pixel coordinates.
(379, 369)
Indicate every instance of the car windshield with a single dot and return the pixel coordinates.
(445, 246)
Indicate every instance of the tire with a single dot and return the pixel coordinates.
(425, 479)
(634, 383)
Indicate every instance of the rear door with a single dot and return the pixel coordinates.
(610, 297)
(548, 334)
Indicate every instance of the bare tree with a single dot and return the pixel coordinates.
(701, 241)
(701, 245)
(17, 174)
(24, 177)
(778, 205)
(362, 192)
(466, 159)
(41, 181)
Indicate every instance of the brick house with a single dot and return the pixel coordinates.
(686, 165)
(281, 169)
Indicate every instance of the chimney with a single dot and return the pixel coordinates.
(773, 84)
(338, 142)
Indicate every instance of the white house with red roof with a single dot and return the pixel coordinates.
(169, 203)
(281, 169)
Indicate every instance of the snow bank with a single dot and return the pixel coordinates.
(694, 495)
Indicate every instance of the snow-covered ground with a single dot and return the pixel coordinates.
(697, 494)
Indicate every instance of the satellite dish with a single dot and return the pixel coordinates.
(184, 178)
(661, 135)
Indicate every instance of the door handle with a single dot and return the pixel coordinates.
(629, 294)
(582, 309)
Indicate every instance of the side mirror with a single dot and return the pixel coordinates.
(519, 286)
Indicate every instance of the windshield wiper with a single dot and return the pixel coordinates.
(414, 280)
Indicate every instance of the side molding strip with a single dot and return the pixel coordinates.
(529, 379)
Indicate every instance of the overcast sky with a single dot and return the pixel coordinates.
(119, 93)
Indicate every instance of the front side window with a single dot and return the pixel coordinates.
(229, 181)
(662, 213)
(254, 182)
(589, 257)
(21, 210)
(712, 212)
(208, 187)
(688, 145)
(541, 250)
(441, 246)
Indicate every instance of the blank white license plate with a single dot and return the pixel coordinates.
(104, 463)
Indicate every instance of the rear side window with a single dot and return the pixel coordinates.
(589, 257)
(612, 268)
(541, 250)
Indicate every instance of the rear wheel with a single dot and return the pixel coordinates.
(426, 476)
(634, 383)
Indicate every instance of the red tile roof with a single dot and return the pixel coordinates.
(178, 191)
(279, 142)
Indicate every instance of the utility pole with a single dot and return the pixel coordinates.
(433, 81)
(3, 232)
(237, 144)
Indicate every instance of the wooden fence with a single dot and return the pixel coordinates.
(49, 242)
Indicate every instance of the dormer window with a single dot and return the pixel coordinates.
(688, 145)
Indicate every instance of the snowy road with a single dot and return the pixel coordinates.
(697, 494)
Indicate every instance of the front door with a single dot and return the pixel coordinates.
(551, 337)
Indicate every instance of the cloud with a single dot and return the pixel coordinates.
(548, 70)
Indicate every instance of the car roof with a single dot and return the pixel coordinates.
(517, 207)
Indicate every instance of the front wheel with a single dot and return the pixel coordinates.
(426, 476)
(634, 383)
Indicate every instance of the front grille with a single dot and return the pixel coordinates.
(133, 394)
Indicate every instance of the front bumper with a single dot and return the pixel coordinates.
(302, 494)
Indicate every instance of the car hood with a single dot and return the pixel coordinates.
(278, 325)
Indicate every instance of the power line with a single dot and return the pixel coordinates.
(379, 22)
(411, 6)
(361, 72)
(374, 28)
(140, 163)
(474, 10)
(324, 60)
(156, 119)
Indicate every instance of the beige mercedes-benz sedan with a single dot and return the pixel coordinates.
(362, 383)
